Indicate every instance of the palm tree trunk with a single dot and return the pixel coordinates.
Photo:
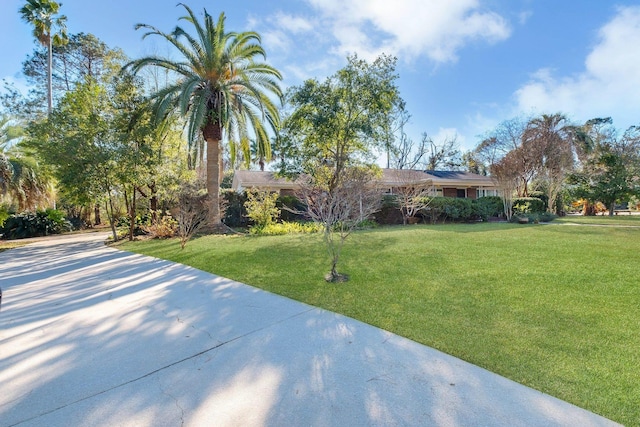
(49, 75)
(212, 133)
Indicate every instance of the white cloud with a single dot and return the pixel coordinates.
(405, 28)
(608, 86)
(409, 28)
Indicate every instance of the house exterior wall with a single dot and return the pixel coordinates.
(450, 192)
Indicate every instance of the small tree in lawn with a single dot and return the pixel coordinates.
(339, 209)
(505, 174)
(193, 213)
(412, 193)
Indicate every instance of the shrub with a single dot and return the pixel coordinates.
(490, 206)
(235, 213)
(450, 208)
(163, 227)
(281, 228)
(4, 214)
(35, 224)
(141, 223)
(287, 204)
(535, 218)
(261, 208)
(389, 212)
(526, 205)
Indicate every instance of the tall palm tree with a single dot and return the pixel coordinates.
(43, 15)
(220, 89)
(553, 136)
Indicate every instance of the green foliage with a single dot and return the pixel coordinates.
(487, 207)
(449, 208)
(261, 208)
(286, 227)
(338, 123)
(4, 214)
(163, 227)
(35, 224)
(526, 205)
(534, 218)
(287, 204)
(235, 213)
(214, 102)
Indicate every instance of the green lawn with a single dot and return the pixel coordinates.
(554, 307)
(5, 246)
(625, 219)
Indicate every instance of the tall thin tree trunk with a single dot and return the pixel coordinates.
(49, 76)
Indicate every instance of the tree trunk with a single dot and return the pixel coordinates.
(612, 208)
(132, 216)
(96, 214)
(212, 133)
(49, 76)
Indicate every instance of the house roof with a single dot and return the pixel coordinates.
(243, 179)
(460, 178)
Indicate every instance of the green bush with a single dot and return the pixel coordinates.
(34, 224)
(487, 207)
(281, 228)
(4, 214)
(261, 208)
(141, 223)
(284, 203)
(235, 214)
(450, 209)
(535, 218)
(389, 212)
(526, 205)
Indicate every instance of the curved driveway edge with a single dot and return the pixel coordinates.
(93, 336)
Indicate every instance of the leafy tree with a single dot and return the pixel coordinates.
(220, 88)
(555, 139)
(611, 172)
(43, 16)
(340, 122)
(83, 56)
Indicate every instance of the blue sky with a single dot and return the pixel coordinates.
(464, 65)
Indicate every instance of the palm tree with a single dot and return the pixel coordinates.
(42, 14)
(553, 137)
(221, 90)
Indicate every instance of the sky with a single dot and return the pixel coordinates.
(464, 66)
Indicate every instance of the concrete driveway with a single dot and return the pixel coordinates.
(92, 336)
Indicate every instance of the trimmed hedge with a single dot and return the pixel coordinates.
(442, 209)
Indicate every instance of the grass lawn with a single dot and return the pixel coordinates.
(4, 246)
(554, 307)
(630, 220)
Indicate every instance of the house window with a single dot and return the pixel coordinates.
(461, 193)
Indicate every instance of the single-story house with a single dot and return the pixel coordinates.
(444, 183)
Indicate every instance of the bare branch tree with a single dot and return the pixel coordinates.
(445, 154)
(412, 192)
(192, 215)
(340, 209)
(505, 173)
